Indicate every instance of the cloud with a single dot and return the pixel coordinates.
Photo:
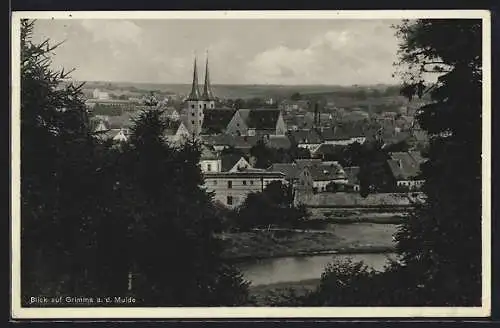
(283, 62)
(119, 51)
(115, 31)
(253, 52)
(336, 56)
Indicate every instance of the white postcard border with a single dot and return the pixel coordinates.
(19, 312)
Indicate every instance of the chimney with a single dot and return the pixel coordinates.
(316, 113)
(319, 116)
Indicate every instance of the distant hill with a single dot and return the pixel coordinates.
(240, 91)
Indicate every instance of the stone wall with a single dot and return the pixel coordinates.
(341, 199)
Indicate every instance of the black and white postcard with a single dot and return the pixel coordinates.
(277, 164)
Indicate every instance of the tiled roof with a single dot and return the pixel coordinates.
(231, 141)
(228, 161)
(252, 170)
(261, 133)
(244, 141)
(327, 171)
(245, 174)
(263, 118)
(393, 138)
(389, 114)
(301, 121)
(306, 136)
(327, 149)
(172, 128)
(343, 131)
(109, 134)
(290, 170)
(417, 156)
(278, 142)
(244, 112)
(405, 165)
(217, 140)
(216, 120)
(307, 162)
(327, 134)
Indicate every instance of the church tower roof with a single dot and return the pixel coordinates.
(195, 91)
(207, 88)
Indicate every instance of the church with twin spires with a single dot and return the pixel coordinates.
(197, 101)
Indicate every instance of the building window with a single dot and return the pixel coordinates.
(192, 106)
(215, 182)
(229, 184)
(204, 106)
(209, 167)
(192, 122)
(192, 113)
(251, 182)
(229, 200)
(244, 182)
(200, 105)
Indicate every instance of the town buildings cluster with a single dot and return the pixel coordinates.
(231, 176)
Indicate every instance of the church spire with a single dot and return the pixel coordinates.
(195, 91)
(207, 89)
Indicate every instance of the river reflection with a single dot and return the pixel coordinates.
(287, 269)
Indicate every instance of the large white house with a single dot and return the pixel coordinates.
(232, 188)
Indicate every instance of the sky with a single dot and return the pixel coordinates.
(277, 51)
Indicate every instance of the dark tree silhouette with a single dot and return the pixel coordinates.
(174, 254)
(442, 239)
(296, 96)
(373, 174)
(271, 207)
(58, 177)
(440, 243)
(104, 221)
(265, 155)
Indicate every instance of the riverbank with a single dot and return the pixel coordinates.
(334, 239)
(321, 217)
(279, 293)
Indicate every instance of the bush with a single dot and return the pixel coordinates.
(343, 283)
(348, 283)
(272, 207)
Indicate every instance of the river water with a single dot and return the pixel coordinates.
(291, 269)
